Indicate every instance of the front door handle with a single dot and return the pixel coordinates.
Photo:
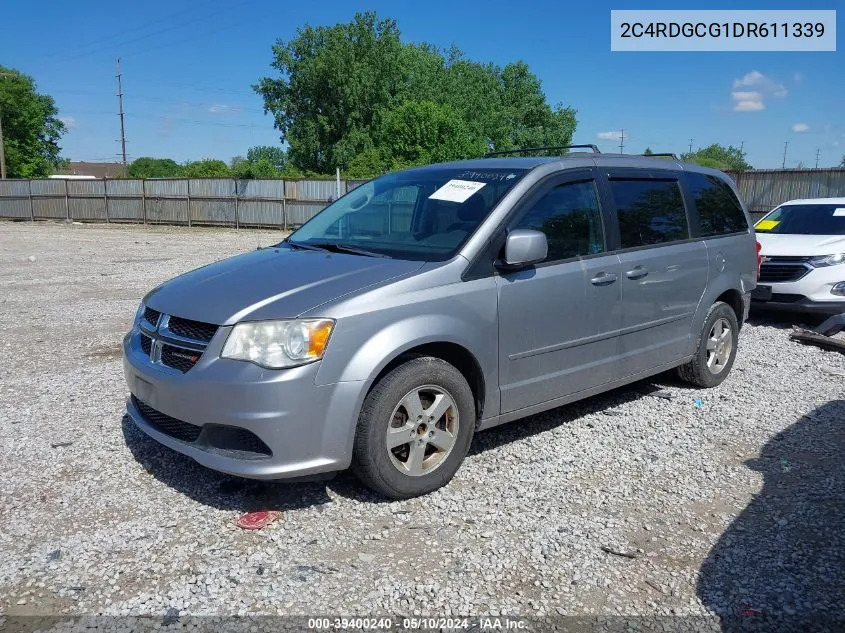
(603, 279)
(638, 272)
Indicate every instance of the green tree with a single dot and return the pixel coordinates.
(31, 129)
(728, 158)
(275, 156)
(842, 164)
(206, 168)
(341, 87)
(421, 132)
(147, 167)
(647, 152)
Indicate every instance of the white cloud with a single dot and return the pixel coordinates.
(758, 81)
(612, 135)
(750, 91)
(799, 128)
(747, 101)
(219, 108)
(69, 121)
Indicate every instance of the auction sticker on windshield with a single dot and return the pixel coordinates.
(457, 190)
(838, 213)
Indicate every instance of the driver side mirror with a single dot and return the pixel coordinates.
(524, 247)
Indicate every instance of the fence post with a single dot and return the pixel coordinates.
(237, 219)
(67, 204)
(31, 209)
(285, 204)
(144, 199)
(106, 201)
(188, 209)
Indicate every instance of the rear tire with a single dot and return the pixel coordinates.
(716, 348)
(415, 429)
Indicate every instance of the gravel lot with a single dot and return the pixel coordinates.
(737, 505)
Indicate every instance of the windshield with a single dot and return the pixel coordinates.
(421, 214)
(804, 219)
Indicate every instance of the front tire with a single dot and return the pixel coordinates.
(415, 429)
(716, 349)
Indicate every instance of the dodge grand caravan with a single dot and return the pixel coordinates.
(435, 302)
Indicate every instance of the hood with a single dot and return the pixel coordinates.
(271, 283)
(786, 245)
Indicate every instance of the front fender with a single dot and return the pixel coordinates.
(463, 314)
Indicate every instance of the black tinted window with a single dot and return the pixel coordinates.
(569, 216)
(719, 210)
(650, 211)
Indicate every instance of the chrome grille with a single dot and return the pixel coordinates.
(173, 341)
(783, 269)
(151, 316)
(192, 329)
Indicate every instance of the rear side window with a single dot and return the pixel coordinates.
(650, 212)
(569, 215)
(719, 210)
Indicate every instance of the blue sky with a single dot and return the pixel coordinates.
(188, 67)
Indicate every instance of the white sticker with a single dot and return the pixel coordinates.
(838, 213)
(457, 190)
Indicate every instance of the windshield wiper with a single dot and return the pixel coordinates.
(307, 247)
(346, 248)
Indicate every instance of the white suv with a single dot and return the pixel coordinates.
(803, 257)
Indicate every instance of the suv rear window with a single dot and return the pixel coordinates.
(650, 211)
(719, 210)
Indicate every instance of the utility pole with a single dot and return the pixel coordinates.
(741, 146)
(785, 145)
(690, 145)
(622, 141)
(120, 114)
(818, 151)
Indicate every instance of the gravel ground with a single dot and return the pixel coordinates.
(637, 502)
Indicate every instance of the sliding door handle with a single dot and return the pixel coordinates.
(638, 272)
(603, 279)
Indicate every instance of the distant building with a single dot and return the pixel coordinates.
(97, 170)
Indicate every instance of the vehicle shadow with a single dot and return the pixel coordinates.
(781, 564)
(214, 489)
(603, 403)
(783, 319)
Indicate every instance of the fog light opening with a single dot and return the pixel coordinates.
(838, 289)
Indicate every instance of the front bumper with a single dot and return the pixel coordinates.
(308, 428)
(802, 304)
(810, 293)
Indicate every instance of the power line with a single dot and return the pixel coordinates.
(167, 29)
(118, 35)
(120, 113)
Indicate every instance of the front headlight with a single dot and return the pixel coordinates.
(278, 344)
(827, 260)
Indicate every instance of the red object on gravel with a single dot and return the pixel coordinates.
(257, 520)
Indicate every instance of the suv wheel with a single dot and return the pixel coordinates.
(415, 429)
(716, 350)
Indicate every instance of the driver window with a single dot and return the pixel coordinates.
(569, 215)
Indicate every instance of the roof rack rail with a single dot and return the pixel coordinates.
(524, 150)
(663, 155)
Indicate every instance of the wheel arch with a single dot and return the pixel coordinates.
(453, 353)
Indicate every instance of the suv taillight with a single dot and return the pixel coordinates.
(759, 247)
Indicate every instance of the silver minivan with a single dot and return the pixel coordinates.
(439, 301)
